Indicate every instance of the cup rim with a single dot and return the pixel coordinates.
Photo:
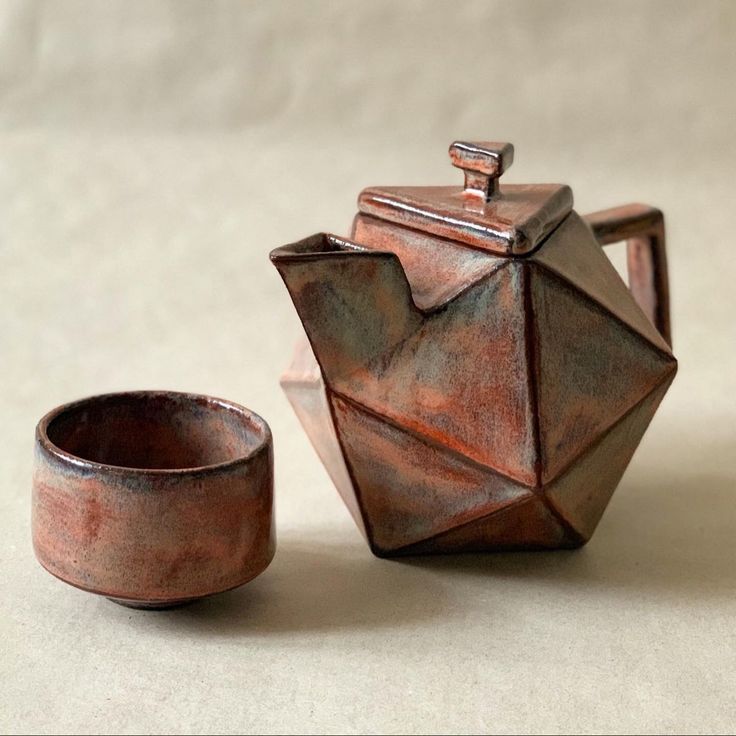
(43, 441)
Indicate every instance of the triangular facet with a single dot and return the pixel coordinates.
(591, 369)
(462, 378)
(583, 492)
(410, 489)
(305, 389)
(525, 525)
(437, 269)
(573, 253)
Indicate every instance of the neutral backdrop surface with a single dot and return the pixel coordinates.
(152, 153)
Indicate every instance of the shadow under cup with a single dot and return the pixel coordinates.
(153, 498)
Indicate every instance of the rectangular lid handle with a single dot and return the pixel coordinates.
(483, 163)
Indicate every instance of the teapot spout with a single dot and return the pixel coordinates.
(355, 304)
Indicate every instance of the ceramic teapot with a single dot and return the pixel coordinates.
(477, 375)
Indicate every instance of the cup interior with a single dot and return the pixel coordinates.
(156, 430)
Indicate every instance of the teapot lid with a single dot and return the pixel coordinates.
(512, 219)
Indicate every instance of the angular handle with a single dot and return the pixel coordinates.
(642, 227)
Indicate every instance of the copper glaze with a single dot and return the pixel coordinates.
(477, 375)
(153, 498)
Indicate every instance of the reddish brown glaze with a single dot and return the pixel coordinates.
(153, 498)
(481, 375)
(509, 220)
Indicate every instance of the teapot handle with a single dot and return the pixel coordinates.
(642, 227)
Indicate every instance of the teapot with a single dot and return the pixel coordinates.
(477, 375)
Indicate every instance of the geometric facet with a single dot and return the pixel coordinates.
(410, 489)
(303, 385)
(573, 253)
(591, 369)
(525, 525)
(583, 492)
(462, 377)
(437, 270)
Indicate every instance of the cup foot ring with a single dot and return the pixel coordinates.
(152, 605)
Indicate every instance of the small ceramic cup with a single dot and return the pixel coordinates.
(153, 498)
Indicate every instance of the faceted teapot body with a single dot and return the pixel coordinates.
(481, 386)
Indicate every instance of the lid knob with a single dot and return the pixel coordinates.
(483, 163)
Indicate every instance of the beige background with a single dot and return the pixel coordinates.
(152, 153)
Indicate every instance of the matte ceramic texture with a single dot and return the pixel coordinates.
(477, 375)
(153, 498)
